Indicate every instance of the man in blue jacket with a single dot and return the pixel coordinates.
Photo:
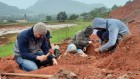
(27, 46)
(109, 32)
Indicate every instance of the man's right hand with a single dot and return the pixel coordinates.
(97, 50)
(90, 42)
(41, 58)
(54, 61)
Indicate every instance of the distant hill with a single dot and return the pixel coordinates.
(10, 10)
(55, 6)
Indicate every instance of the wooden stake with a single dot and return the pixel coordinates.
(27, 75)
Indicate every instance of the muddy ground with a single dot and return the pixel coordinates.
(123, 63)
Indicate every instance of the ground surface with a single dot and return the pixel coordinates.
(123, 63)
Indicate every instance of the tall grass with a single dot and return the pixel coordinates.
(6, 50)
(67, 32)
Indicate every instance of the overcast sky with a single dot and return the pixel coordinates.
(23, 4)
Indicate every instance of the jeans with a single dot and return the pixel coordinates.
(72, 48)
(29, 65)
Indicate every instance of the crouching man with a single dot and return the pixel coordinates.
(80, 42)
(27, 45)
(110, 32)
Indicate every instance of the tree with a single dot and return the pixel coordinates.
(73, 17)
(114, 7)
(48, 18)
(61, 16)
(84, 14)
(99, 12)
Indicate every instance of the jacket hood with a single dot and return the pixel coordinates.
(99, 23)
(88, 30)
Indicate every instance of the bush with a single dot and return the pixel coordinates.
(61, 16)
(73, 17)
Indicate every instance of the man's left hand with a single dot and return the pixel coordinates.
(84, 49)
(97, 50)
(51, 51)
(54, 61)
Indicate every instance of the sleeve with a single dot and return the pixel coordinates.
(49, 44)
(113, 34)
(80, 39)
(23, 43)
(45, 47)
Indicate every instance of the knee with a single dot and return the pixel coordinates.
(71, 48)
(50, 57)
(29, 68)
(28, 65)
(33, 68)
(80, 51)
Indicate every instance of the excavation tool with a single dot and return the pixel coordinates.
(27, 75)
(60, 74)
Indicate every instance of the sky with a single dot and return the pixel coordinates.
(23, 4)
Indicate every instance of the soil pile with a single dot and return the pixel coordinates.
(121, 63)
(128, 13)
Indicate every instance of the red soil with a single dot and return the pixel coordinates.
(129, 12)
(123, 63)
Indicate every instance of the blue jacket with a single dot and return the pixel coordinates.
(115, 28)
(26, 45)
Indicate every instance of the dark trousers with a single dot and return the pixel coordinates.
(104, 36)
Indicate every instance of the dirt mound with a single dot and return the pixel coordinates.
(128, 13)
(126, 57)
(75, 60)
(123, 63)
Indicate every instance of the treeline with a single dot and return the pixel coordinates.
(61, 16)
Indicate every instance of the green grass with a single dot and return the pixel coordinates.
(68, 32)
(6, 50)
(57, 36)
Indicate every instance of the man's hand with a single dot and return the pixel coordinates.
(94, 41)
(125, 38)
(51, 51)
(84, 49)
(84, 55)
(41, 58)
(54, 61)
(90, 42)
(97, 50)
